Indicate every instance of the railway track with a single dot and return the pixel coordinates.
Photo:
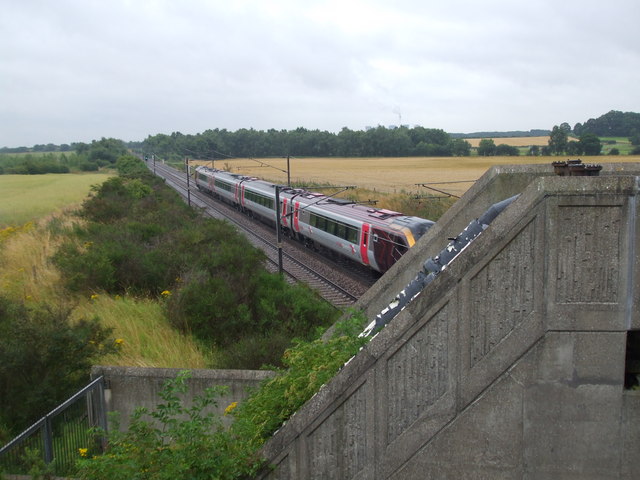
(333, 282)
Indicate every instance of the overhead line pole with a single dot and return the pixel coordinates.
(186, 162)
(278, 231)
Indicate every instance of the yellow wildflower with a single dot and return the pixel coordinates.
(118, 341)
(83, 451)
(230, 408)
(166, 293)
(94, 296)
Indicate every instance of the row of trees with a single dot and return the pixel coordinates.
(85, 158)
(374, 142)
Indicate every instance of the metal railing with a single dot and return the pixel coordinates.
(60, 437)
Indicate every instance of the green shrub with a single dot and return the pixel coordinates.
(43, 359)
(247, 312)
(307, 366)
(128, 165)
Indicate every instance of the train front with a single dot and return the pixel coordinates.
(413, 228)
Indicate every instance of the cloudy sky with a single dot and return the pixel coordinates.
(78, 70)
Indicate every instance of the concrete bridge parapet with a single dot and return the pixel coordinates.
(511, 364)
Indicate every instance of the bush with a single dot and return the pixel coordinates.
(128, 165)
(247, 312)
(43, 359)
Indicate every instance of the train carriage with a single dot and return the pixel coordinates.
(373, 237)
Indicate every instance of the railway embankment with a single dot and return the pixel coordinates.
(517, 361)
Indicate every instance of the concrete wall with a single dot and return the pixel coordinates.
(128, 388)
(510, 364)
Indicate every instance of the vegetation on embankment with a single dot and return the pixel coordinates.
(141, 239)
(137, 245)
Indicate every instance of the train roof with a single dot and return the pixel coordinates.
(337, 206)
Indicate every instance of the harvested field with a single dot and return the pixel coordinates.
(513, 141)
(388, 175)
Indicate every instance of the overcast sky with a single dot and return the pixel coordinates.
(78, 70)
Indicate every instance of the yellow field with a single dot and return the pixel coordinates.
(389, 175)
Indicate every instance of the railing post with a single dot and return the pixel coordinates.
(47, 440)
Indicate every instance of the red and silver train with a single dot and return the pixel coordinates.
(373, 237)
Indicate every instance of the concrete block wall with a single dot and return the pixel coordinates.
(128, 388)
(510, 364)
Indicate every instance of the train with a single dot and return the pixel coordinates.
(373, 237)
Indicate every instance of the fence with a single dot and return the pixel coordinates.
(61, 436)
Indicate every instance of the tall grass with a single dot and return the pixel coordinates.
(143, 334)
(26, 273)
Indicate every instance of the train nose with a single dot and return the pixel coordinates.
(420, 228)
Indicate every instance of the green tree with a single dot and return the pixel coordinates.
(574, 148)
(507, 150)
(460, 147)
(486, 147)
(591, 144)
(558, 139)
(44, 358)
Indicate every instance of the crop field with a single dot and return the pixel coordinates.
(389, 175)
(24, 198)
(514, 141)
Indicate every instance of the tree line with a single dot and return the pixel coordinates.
(374, 142)
(86, 158)
(611, 124)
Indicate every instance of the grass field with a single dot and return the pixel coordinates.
(24, 198)
(389, 175)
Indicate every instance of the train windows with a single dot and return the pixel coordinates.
(260, 199)
(338, 229)
(224, 185)
(352, 235)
